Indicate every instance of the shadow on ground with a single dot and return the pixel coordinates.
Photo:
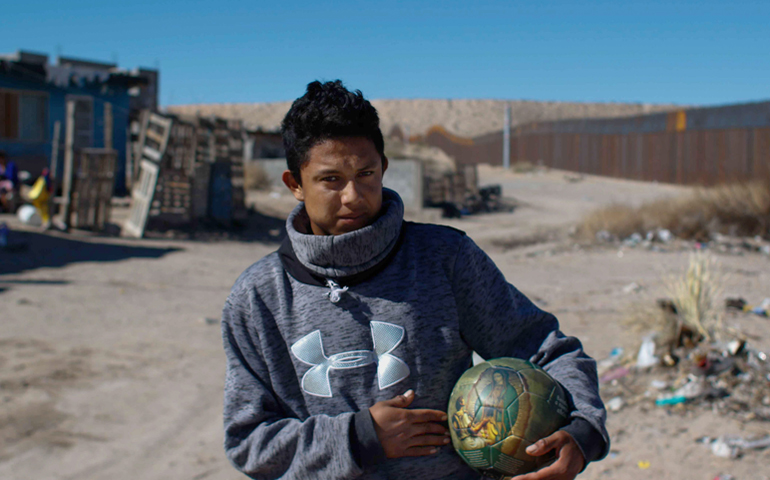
(32, 250)
(257, 227)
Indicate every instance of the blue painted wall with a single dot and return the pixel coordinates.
(32, 156)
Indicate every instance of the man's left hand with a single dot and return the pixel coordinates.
(569, 459)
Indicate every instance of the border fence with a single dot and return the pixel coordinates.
(690, 146)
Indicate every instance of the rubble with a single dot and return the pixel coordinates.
(733, 446)
(763, 309)
(663, 240)
(726, 375)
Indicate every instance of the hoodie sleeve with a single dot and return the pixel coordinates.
(499, 321)
(261, 440)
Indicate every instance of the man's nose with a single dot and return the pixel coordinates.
(350, 194)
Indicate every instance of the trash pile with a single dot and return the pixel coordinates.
(663, 240)
(733, 446)
(487, 199)
(727, 376)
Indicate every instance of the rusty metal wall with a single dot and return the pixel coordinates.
(694, 146)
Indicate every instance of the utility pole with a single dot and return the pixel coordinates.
(507, 138)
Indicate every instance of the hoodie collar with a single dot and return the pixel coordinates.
(339, 256)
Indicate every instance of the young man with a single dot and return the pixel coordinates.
(357, 306)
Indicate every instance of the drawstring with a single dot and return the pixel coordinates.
(336, 292)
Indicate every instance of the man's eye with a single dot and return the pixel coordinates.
(330, 179)
(366, 174)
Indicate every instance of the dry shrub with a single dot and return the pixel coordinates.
(620, 220)
(695, 295)
(255, 177)
(645, 317)
(733, 209)
(523, 166)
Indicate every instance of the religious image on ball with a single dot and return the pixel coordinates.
(500, 407)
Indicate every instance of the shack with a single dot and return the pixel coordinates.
(33, 98)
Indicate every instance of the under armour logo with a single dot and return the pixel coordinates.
(390, 369)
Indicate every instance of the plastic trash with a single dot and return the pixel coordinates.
(632, 287)
(665, 235)
(604, 236)
(736, 303)
(667, 400)
(633, 240)
(758, 444)
(646, 357)
(615, 404)
(722, 448)
(695, 388)
(735, 347)
(29, 216)
(658, 384)
(612, 359)
(763, 310)
(614, 374)
(733, 446)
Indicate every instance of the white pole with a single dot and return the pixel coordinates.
(507, 138)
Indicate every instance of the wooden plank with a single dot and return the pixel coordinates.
(108, 125)
(141, 201)
(54, 171)
(140, 144)
(165, 125)
(129, 160)
(69, 159)
(55, 151)
(153, 135)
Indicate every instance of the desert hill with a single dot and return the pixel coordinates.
(467, 118)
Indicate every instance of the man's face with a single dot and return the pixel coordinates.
(341, 185)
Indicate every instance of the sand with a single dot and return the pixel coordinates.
(111, 363)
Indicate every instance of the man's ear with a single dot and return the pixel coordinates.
(293, 186)
(384, 164)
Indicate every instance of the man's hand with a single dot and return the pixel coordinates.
(569, 459)
(408, 433)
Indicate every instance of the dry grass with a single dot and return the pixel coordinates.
(255, 177)
(523, 166)
(645, 317)
(696, 294)
(741, 209)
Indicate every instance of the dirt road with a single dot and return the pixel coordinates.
(111, 363)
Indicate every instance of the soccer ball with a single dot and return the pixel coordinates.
(500, 407)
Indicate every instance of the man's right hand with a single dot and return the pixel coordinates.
(408, 433)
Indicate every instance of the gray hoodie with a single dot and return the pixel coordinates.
(319, 331)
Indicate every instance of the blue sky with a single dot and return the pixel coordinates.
(690, 52)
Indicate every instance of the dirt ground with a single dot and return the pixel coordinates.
(111, 364)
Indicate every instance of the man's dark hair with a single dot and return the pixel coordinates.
(327, 110)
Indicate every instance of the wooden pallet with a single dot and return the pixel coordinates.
(172, 200)
(93, 188)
